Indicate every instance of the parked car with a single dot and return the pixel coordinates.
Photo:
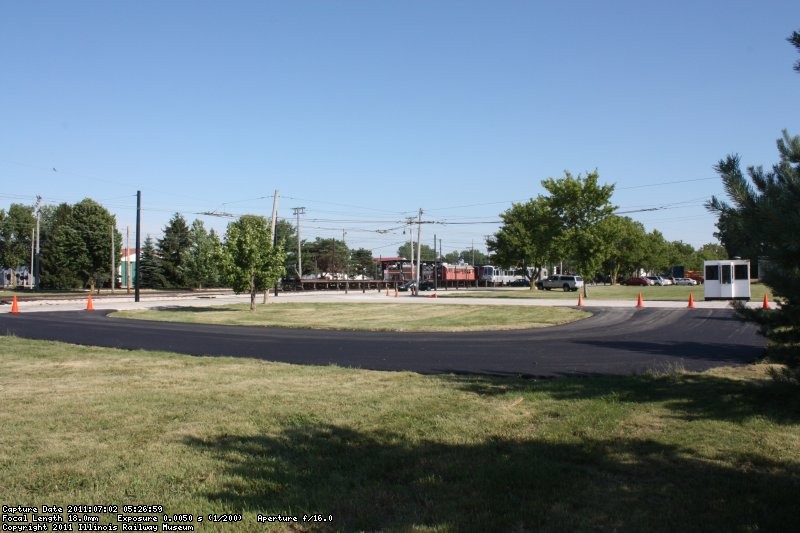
(425, 285)
(685, 281)
(520, 282)
(406, 285)
(656, 280)
(568, 283)
(698, 278)
(636, 281)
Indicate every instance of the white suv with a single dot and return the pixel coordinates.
(568, 283)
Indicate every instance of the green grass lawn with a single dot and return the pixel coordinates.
(602, 292)
(368, 316)
(396, 451)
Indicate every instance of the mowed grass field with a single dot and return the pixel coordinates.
(368, 316)
(379, 451)
(602, 292)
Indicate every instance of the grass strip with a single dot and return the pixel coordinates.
(602, 292)
(368, 316)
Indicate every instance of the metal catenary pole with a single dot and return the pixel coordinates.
(299, 211)
(138, 245)
(419, 247)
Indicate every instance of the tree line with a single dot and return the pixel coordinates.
(78, 244)
(76, 249)
(573, 225)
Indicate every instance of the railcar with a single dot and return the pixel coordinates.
(490, 275)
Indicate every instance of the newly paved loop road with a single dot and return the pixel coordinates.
(616, 340)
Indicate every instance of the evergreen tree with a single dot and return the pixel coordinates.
(767, 213)
(172, 248)
(59, 238)
(764, 209)
(150, 274)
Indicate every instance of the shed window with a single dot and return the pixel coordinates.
(726, 274)
(741, 272)
(712, 272)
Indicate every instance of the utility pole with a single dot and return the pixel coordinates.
(435, 265)
(299, 211)
(30, 272)
(411, 244)
(419, 246)
(37, 267)
(113, 261)
(138, 245)
(128, 258)
(346, 255)
(274, 235)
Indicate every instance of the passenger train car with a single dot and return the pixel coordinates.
(494, 276)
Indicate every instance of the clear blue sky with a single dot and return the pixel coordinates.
(365, 111)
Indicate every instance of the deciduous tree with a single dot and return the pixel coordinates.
(627, 246)
(16, 226)
(252, 263)
(580, 204)
(528, 236)
(80, 247)
(201, 264)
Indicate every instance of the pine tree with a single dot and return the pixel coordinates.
(150, 274)
(764, 215)
(767, 213)
(172, 248)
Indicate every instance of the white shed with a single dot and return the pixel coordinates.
(727, 279)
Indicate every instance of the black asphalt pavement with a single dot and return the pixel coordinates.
(613, 341)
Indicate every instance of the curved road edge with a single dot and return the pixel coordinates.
(614, 341)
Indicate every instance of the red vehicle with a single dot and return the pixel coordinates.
(455, 275)
(456, 272)
(696, 275)
(636, 281)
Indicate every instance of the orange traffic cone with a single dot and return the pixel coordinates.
(691, 301)
(639, 302)
(765, 304)
(89, 306)
(14, 306)
(580, 300)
